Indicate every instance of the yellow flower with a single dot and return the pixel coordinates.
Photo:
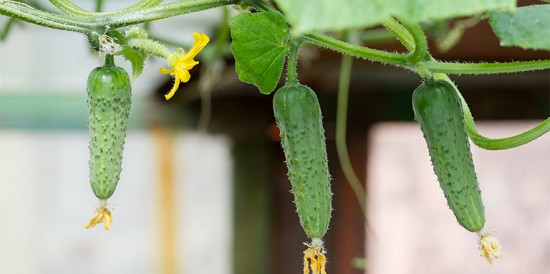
(489, 247)
(181, 62)
(314, 257)
(102, 215)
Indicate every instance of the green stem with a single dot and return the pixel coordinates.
(172, 43)
(420, 42)
(69, 8)
(98, 5)
(164, 11)
(6, 29)
(400, 32)
(501, 143)
(143, 4)
(376, 36)
(26, 13)
(357, 51)
(505, 143)
(341, 127)
(292, 62)
(261, 5)
(109, 60)
(223, 35)
(98, 22)
(149, 46)
(413, 38)
(407, 39)
(486, 68)
(453, 36)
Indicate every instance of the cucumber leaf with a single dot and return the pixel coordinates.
(331, 15)
(527, 27)
(136, 58)
(260, 45)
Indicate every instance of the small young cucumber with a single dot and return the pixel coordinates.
(298, 117)
(109, 100)
(438, 109)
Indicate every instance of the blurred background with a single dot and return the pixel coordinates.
(204, 187)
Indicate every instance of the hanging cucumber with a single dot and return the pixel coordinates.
(109, 101)
(438, 110)
(299, 119)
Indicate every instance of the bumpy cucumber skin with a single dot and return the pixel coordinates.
(109, 101)
(438, 109)
(299, 119)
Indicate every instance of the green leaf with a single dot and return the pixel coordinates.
(137, 59)
(527, 27)
(332, 15)
(260, 47)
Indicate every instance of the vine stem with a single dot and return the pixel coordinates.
(211, 71)
(98, 5)
(340, 140)
(292, 62)
(70, 8)
(420, 42)
(357, 51)
(28, 14)
(409, 36)
(440, 68)
(341, 127)
(414, 40)
(499, 143)
(400, 32)
(161, 12)
(376, 36)
(98, 21)
(6, 29)
(502, 143)
(261, 5)
(486, 68)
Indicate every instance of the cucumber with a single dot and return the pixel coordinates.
(109, 101)
(299, 119)
(438, 110)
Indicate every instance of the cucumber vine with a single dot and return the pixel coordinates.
(265, 35)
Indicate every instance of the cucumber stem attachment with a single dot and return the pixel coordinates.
(109, 60)
(292, 62)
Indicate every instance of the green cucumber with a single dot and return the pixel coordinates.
(299, 119)
(438, 110)
(109, 101)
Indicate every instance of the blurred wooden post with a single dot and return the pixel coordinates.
(166, 222)
(253, 225)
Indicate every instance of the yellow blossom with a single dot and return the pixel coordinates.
(489, 247)
(102, 215)
(181, 62)
(314, 257)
